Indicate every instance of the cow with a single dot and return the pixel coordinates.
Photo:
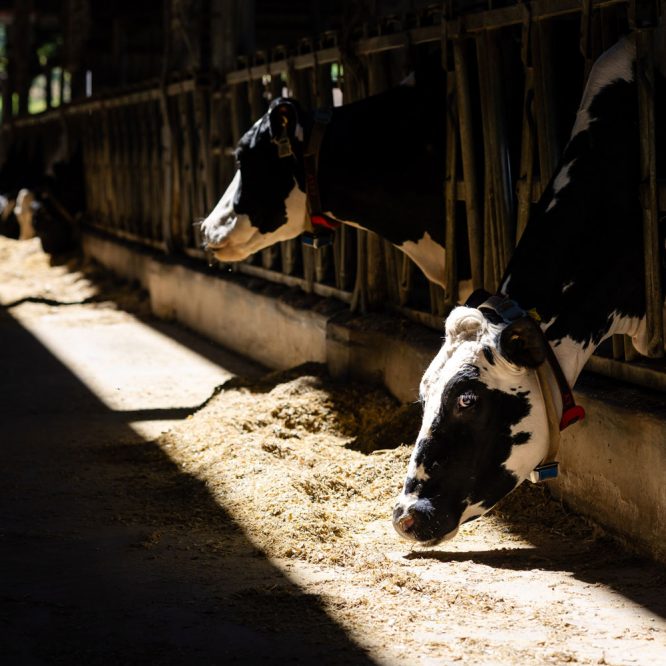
(380, 166)
(494, 394)
(24, 210)
(9, 225)
(54, 225)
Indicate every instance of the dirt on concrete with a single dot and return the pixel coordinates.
(257, 527)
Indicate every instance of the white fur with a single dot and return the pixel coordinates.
(561, 181)
(24, 212)
(615, 64)
(472, 511)
(429, 256)
(232, 237)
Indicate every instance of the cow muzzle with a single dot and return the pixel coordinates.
(417, 521)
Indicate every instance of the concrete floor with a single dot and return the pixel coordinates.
(108, 552)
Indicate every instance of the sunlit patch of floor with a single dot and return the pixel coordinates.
(148, 378)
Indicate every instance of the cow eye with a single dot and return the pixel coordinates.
(466, 400)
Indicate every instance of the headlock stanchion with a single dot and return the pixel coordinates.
(323, 226)
(509, 312)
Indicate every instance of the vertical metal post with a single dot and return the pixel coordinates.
(526, 176)
(586, 36)
(451, 268)
(648, 189)
(499, 191)
(548, 143)
(465, 126)
(375, 282)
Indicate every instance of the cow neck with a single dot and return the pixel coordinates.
(320, 122)
(561, 411)
(380, 166)
(578, 267)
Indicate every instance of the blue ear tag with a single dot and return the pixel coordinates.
(317, 239)
(544, 472)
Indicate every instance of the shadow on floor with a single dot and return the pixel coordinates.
(564, 541)
(111, 554)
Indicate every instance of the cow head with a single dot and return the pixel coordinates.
(485, 425)
(265, 202)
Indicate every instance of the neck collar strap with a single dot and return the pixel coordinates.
(499, 309)
(322, 224)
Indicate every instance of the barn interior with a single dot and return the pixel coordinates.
(122, 120)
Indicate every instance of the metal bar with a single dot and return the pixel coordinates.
(526, 176)
(202, 135)
(653, 290)
(167, 141)
(292, 281)
(586, 36)
(375, 278)
(126, 235)
(548, 144)
(540, 10)
(470, 190)
(637, 373)
(160, 193)
(451, 267)
(499, 199)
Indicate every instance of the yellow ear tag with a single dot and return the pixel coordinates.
(534, 314)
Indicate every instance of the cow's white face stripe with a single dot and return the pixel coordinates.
(232, 237)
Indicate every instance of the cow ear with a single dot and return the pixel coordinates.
(283, 117)
(522, 343)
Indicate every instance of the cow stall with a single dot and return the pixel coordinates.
(154, 150)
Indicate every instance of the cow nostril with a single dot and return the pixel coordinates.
(406, 523)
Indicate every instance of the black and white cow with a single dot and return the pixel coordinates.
(579, 271)
(9, 225)
(381, 167)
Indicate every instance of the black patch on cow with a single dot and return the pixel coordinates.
(382, 163)
(266, 179)
(465, 451)
(521, 437)
(592, 237)
(487, 352)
